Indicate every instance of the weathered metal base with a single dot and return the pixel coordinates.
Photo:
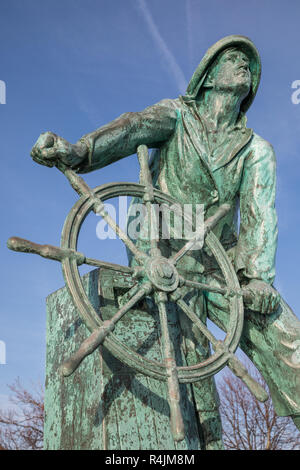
(104, 404)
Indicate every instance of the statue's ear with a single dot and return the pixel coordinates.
(205, 82)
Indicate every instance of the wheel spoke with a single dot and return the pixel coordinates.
(241, 372)
(146, 180)
(99, 208)
(177, 425)
(205, 287)
(218, 290)
(152, 223)
(106, 265)
(234, 363)
(59, 254)
(46, 251)
(99, 335)
(83, 189)
(209, 224)
(201, 326)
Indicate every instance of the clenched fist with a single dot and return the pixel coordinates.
(261, 297)
(50, 150)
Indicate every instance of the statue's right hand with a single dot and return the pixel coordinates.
(50, 150)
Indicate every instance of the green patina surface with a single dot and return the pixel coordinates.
(104, 404)
(204, 154)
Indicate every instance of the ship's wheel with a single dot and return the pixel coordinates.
(155, 276)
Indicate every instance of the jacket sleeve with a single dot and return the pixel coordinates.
(257, 243)
(121, 137)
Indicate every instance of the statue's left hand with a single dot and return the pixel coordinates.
(262, 297)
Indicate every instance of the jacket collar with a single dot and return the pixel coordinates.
(243, 133)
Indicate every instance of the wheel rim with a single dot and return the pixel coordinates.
(91, 318)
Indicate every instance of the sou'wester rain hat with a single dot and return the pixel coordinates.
(240, 42)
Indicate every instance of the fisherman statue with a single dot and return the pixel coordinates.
(204, 153)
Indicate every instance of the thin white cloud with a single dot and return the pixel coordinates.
(173, 66)
(189, 29)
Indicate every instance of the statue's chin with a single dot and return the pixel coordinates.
(242, 86)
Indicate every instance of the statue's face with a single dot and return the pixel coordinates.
(232, 72)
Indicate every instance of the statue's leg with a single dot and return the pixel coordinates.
(272, 342)
(196, 349)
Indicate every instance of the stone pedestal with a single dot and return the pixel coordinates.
(104, 404)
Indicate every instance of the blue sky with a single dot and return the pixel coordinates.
(71, 66)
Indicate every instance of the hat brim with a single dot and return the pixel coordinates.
(242, 43)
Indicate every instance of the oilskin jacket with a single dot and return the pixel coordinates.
(241, 173)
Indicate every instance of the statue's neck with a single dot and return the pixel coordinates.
(220, 109)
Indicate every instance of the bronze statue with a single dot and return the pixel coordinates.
(205, 154)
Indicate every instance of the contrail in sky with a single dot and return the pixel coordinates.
(173, 66)
(189, 23)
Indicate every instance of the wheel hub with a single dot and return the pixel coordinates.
(162, 274)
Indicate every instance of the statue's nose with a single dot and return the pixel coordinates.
(243, 62)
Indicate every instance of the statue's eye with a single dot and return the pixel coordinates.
(231, 57)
